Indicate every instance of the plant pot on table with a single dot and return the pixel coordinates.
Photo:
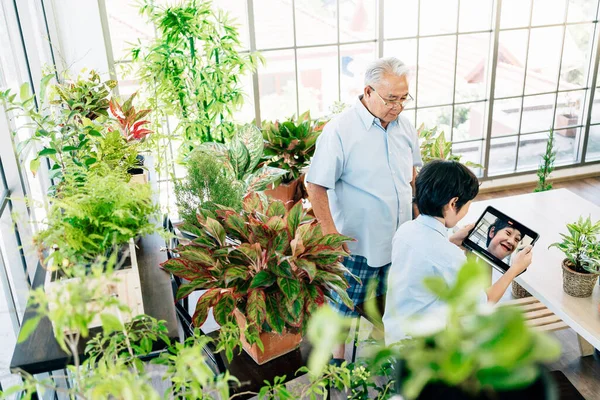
(577, 284)
(519, 291)
(275, 344)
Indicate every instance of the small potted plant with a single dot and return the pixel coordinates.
(468, 351)
(290, 145)
(582, 251)
(264, 266)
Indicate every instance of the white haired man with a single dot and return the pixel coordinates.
(361, 178)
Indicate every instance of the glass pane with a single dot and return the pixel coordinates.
(405, 50)
(436, 116)
(596, 108)
(435, 85)
(238, 15)
(582, 10)
(565, 144)
(569, 110)
(531, 150)
(475, 15)
(543, 59)
(510, 70)
(468, 121)
(515, 13)
(310, 14)
(246, 114)
(593, 146)
(318, 79)
(576, 54)
(358, 20)
(503, 152)
(547, 12)
(472, 67)
(410, 115)
(393, 28)
(277, 85)
(126, 74)
(273, 25)
(126, 27)
(438, 16)
(470, 152)
(538, 112)
(507, 114)
(354, 59)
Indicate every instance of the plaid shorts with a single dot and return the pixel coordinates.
(358, 291)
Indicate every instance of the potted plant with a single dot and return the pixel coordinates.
(468, 351)
(223, 173)
(568, 119)
(290, 145)
(434, 146)
(264, 266)
(582, 251)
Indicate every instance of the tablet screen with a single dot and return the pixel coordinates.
(499, 237)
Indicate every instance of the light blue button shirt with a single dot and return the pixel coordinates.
(420, 249)
(368, 171)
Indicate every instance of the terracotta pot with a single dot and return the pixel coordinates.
(519, 291)
(275, 344)
(577, 284)
(563, 120)
(288, 193)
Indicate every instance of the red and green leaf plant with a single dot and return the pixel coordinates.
(290, 145)
(131, 122)
(275, 267)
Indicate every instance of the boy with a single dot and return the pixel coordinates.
(421, 248)
(502, 239)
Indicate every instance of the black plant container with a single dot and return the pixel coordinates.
(139, 166)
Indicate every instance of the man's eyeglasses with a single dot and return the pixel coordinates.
(394, 103)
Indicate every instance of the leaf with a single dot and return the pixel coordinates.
(307, 266)
(47, 152)
(256, 307)
(184, 269)
(223, 310)
(24, 91)
(239, 158)
(252, 139)
(289, 286)
(343, 295)
(233, 273)
(263, 279)
(110, 323)
(276, 208)
(43, 86)
(34, 165)
(215, 229)
(263, 177)
(204, 303)
(187, 288)
(28, 328)
(282, 269)
(274, 318)
(334, 240)
(293, 218)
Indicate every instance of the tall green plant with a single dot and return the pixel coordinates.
(547, 165)
(434, 146)
(193, 68)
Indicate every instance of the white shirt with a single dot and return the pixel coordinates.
(420, 249)
(368, 171)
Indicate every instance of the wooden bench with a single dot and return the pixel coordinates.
(544, 320)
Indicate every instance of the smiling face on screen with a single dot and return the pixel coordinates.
(503, 242)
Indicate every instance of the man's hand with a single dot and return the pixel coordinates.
(320, 203)
(522, 260)
(461, 234)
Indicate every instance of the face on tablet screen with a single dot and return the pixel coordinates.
(500, 237)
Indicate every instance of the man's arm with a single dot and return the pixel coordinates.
(320, 203)
(414, 191)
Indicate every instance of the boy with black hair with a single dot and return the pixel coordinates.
(421, 248)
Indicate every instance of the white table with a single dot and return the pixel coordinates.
(548, 213)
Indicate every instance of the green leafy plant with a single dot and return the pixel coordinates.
(208, 182)
(434, 146)
(547, 165)
(241, 157)
(92, 217)
(290, 145)
(274, 266)
(582, 246)
(193, 69)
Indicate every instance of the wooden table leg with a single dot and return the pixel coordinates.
(586, 348)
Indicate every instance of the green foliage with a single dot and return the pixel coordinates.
(434, 146)
(275, 266)
(91, 217)
(582, 245)
(71, 128)
(208, 182)
(194, 69)
(290, 145)
(547, 165)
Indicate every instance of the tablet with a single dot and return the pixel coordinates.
(497, 238)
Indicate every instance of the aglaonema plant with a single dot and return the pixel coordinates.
(275, 267)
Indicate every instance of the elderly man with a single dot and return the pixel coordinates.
(361, 177)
